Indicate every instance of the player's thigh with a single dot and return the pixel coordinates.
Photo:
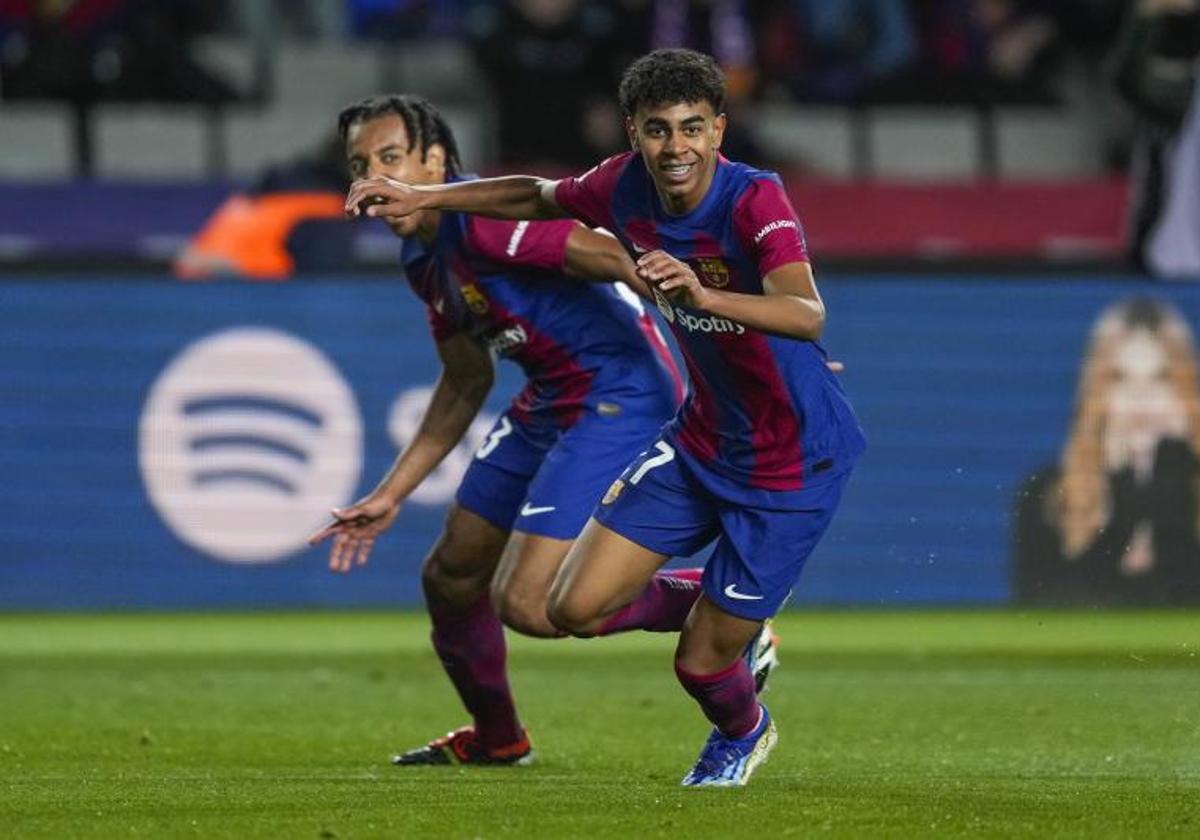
(602, 572)
(469, 547)
(521, 585)
(652, 512)
(712, 638)
(762, 551)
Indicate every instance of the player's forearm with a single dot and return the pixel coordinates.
(791, 316)
(508, 197)
(600, 257)
(454, 405)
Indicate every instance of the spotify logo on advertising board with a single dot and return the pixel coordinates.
(247, 439)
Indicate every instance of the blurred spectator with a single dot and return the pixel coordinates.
(310, 20)
(406, 20)
(550, 68)
(837, 50)
(1155, 66)
(81, 50)
(291, 221)
(1117, 520)
(988, 50)
(721, 28)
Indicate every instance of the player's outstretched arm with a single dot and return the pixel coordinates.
(509, 197)
(789, 306)
(467, 376)
(596, 255)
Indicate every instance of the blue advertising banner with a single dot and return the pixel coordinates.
(171, 445)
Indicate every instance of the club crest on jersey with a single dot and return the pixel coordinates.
(712, 272)
(614, 490)
(474, 298)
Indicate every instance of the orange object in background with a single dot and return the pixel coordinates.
(248, 235)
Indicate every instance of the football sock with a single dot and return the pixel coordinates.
(471, 647)
(661, 607)
(727, 697)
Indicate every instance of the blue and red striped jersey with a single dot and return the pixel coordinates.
(581, 345)
(764, 412)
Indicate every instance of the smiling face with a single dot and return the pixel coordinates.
(381, 146)
(1141, 391)
(680, 143)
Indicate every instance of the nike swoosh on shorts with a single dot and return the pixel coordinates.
(530, 510)
(731, 592)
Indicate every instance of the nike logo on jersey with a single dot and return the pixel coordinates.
(731, 592)
(530, 510)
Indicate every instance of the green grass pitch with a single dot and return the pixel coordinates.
(892, 724)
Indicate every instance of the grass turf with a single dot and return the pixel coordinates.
(891, 724)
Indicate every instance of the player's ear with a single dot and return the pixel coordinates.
(631, 131)
(718, 130)
(435, 160)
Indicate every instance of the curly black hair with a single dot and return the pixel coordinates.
(423, 123)
(665, 77)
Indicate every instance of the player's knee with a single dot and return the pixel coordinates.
(571, 615)
(522, 610)
(442, 583)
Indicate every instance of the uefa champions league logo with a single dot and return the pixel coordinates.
(247, 439)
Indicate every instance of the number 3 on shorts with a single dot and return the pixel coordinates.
(666, 453)
(493, 440)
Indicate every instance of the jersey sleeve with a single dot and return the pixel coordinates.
(520, 244)
(588, 197)
(767, 226)
(440, 326)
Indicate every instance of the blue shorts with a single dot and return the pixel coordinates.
(659, 504)
(547, 482)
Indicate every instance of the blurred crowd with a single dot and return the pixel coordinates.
(840, 51)
(564, 57)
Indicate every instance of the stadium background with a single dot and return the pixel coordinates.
(192, 377)
(968, 217)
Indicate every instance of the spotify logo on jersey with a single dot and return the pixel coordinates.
(247, 438)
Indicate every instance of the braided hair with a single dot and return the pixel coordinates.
(423, 123)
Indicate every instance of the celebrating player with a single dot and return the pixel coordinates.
(759, 453)
(601, 383)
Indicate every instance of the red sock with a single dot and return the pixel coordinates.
(472, 650)
(727, 697)
(661, 607)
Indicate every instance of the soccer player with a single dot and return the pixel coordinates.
(759, 453)
(601, 383)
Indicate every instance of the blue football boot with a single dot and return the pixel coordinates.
(725, 762)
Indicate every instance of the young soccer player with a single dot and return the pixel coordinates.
(759, 453)
(600, 384)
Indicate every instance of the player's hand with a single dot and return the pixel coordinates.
(674, 278)
(381, 197)
(355, 529)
